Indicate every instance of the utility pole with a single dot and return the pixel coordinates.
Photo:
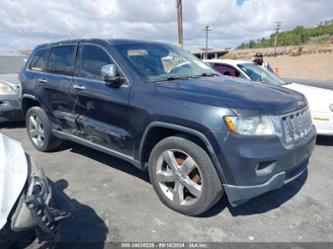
(207, 29)
(277, 29)
(180, 23)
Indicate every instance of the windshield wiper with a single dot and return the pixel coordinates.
(170, 79)
(203, 75)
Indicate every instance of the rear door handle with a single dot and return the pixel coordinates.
(41, 80)
(79, 87)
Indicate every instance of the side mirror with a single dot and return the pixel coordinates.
(111, 75)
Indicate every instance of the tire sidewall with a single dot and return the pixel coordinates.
(38, 111)
(211, 187)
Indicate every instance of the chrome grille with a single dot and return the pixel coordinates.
(295, 126)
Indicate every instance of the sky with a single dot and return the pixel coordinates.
(27, 23)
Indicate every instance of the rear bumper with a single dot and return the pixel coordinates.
(256, 165)
(10, 108)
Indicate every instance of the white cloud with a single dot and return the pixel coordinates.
(26, 23)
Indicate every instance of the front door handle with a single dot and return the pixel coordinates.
(79, 87)
(42, 80)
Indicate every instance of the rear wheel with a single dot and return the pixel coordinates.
(39, 130)
(183, 176)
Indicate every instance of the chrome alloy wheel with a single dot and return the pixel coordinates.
(179, 177)
(36, 130)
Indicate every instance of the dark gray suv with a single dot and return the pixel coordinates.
(198, 133)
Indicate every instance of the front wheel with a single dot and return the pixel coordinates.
(183, 176)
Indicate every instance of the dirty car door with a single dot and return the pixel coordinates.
(102, 109)
(56, 86)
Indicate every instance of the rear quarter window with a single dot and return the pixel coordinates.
(39, 61)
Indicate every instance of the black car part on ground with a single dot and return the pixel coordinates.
(37, 208)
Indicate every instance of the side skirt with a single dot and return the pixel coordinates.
(76, 139)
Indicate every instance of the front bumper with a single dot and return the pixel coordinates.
(10, 108)
(36, 207)
(258, 165)
(238, 195)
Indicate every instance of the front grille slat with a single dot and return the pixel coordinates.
(295, 126)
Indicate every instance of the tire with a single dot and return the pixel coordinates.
(192, 175)
(39, 130)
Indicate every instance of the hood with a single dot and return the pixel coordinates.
(319, 99)
(242, 96)
(13, 175)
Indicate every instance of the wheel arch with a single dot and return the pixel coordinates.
(157, 131)
(29, 101)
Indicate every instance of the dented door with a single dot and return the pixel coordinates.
(56, 86)
(102, 109)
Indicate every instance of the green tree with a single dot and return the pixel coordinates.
(297, 36)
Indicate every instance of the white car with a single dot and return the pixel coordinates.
(320, 100)
(25, 195)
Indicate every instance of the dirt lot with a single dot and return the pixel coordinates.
(311, 62)
(112, 201)
(306, 66)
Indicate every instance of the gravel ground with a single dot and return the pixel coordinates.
(113, 201)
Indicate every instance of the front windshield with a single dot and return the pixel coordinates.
(258, 73)
(11, 64)
(161, 62)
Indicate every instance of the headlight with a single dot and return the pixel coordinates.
(259, 125)
(39, 186)
(6, 89)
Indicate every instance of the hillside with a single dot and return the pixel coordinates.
(321, 34)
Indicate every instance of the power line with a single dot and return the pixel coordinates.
(277, 29)
(207, 29)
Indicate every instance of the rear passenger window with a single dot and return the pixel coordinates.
(90, 62)
(61, 60)
(39, 61)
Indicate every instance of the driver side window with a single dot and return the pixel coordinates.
(90, 61)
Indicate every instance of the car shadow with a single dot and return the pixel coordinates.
(109, 160)
(12, 125)
(84, 228)
(263, 203)
(324, 140)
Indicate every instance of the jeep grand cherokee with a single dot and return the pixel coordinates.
(198, 133)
